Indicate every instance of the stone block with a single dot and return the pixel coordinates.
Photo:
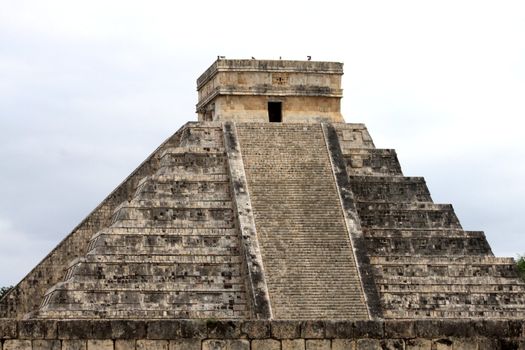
(293, 344)
(392, 344)
(343, 344)
(368, 344)
(185, 344)
(238, 344)
(74, 329)
(442, 344)
(465, 344)
(400, 329)
(128, 329)
(354, 329)
(100, 329)
(37, 329)
(286, 329)
(100, 344)
(163, 329)
(144, 344)
(193, 329)
(16, 344)
(8, 329)
(224, 329)
(265, 344)
(418, 344)
(121, 344)
(226, 344)
(74, 344)
(318, 344)
(44, 344)
(313, 330)
(256, 329)
(444, 328)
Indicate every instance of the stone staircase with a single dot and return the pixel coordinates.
(425, 264)
(307, 253)
(171, 251)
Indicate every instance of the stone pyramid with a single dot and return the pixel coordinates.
(270, 207)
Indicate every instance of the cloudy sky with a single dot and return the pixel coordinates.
(89, 88)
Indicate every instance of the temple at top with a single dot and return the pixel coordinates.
(271, 91)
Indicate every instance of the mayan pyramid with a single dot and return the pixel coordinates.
(270, 207)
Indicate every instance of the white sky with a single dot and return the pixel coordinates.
(89, 88)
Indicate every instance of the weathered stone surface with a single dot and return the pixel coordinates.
(8, 329)
(16, 344)
(152, 345)
(418, 344)
(68, 344)
(318, 344)
(74, 329)
(223, 330)
(185, 344)
(265, 344)
(293, 344)
(33, 329)
(99, 344)
(343, 344)
(313, 329)
(43, 344)
(368, 344)
(123, 344)
(256, 329)
(286, 329)
(226, 344)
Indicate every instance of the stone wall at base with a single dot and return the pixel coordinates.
(261, 335)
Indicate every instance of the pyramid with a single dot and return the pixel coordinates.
(270, 207)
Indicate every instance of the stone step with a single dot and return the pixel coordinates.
(174, 224)
(161, 286)
(168, 270)
(200, 212)
(232, 248)
(168, 231)
(152, 300)
(294, 197)
(444, 260)
(389, 189)
(407, 215)
(361, 161)
(453, 288)
(159, 259)
(473, 313)
(426, 243)
(199, 135)
(163, 241)
(141, 314)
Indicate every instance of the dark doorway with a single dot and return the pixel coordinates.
(275, 112)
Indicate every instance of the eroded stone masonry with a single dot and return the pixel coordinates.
(269, 208)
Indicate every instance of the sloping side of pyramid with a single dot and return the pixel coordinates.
(262, 220)
(26, 296)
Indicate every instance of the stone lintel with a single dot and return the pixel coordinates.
(285, 66)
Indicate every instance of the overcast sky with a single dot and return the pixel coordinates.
(88, 89)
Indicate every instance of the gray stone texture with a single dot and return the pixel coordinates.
(318, 344)
(307, 254)
(16, 344)
(293, 344)
(265, 344)
(43, 344)
(100, 344)
(69, 344)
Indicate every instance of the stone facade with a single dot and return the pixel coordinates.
(261, 335)
(231, 221)
(241, 91)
